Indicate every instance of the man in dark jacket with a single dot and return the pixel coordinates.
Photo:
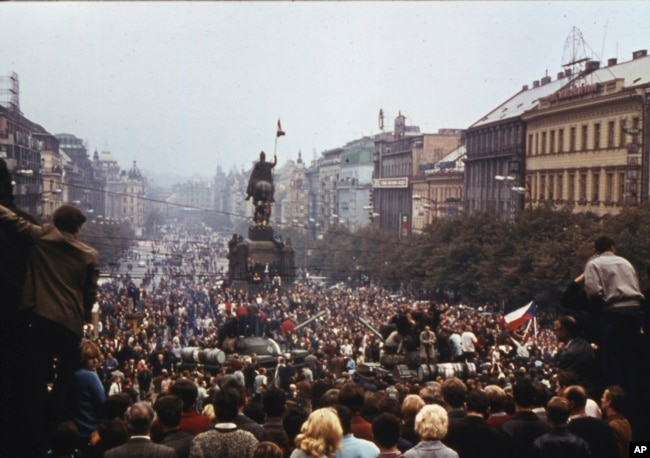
(524, 426)
(559, 442)
(139, 418)
(577, 354)
(59, 292)
(169, 409)
(486, 441)
(598, 435)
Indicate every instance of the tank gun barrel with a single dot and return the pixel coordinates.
(306, 322)
(374, 330)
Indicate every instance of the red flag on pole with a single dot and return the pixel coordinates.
(280, 132)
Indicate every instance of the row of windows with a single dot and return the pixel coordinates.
(609, 187)
(586, 137)
(494, 139)
(394, 169)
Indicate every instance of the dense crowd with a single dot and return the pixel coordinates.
(526, 397)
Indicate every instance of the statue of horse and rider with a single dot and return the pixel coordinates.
(260, 188)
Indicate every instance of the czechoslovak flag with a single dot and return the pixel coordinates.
(518, 317)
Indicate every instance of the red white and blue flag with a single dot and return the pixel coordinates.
(518, 317)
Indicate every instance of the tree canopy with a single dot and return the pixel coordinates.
(478, 258)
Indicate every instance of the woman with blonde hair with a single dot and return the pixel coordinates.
(411, 406)
(320, 436)
(431, 424)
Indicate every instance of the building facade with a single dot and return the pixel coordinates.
(125, 198)
(438, 189)
(51, 172)
(400, 159)
(84, 182)
(586, 144)
(22, 153)
(329, 170)
(496, 147)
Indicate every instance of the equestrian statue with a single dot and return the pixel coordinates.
(260, 188)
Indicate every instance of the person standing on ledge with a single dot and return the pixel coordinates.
(59, 292)
(612, 286)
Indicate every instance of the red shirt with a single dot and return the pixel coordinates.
(361, 428)
(288, 327)
(194, 423)
(191, 422)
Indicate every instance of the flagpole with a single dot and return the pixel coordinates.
(525, 337)
(275, 147)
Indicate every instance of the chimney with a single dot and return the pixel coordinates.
(535, 84)
(592, 65)
(639, 54)
(524, 87)
(611, 62)
(560, 75)
(546, 80)
(568, 72)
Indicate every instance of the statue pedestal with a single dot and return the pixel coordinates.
(260, 233)
(256, 260)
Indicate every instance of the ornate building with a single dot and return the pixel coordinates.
(125, 198)
(586, 144)
(22, 152)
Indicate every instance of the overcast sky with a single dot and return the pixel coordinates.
(182, 87)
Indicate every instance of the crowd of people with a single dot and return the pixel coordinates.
(538, 392)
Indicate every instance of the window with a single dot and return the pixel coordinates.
(597, 135)
(543, 143)
(582, 196)
(610, 134)
(584, 138)
(595, 187)
(559, 187)
(551, 185)
(635, 127)
(552, 142)
(572, 188)
(572, 140)
(609, 187)
(621, 187)
(560, 141)
(537, 143)
(530, 144)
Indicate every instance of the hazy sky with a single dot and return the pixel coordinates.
(184, 86)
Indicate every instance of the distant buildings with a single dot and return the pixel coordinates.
(51, 170)
(579, 141)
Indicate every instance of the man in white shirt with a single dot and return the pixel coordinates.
(468, 344)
